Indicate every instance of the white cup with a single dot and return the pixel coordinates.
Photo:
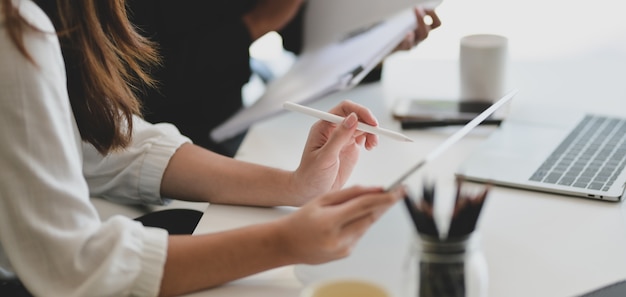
(345, 288)
(483, 67)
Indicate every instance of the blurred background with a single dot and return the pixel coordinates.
(536, 28)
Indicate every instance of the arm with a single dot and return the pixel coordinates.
(270, 15)
(47, 224)
(329, 157)
(50, 235)
(325, 229)
(133, 175)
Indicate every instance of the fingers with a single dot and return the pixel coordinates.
(339, 197)
(361, 203)
(435, 21)
(407, 43)
(346, 107)
(336, 221)
(424, 28)
(371, 212)
(342, 135)
(364, 115)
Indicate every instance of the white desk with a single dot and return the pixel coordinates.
(535, 244)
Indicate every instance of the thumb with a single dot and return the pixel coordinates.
(343, 134)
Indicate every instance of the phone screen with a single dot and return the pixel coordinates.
(418, 113)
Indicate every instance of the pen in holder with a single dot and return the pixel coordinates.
(450, 265)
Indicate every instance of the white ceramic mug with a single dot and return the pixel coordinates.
(345, 288)
(483, 60)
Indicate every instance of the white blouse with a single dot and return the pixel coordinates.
(51, 237)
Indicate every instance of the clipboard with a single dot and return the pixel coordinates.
(322, 70)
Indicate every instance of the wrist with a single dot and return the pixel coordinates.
(285, 243)
(297, 189)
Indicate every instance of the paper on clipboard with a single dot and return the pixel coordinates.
(327, 21)
(322, 70)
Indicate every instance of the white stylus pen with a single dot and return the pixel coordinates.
(333, 118)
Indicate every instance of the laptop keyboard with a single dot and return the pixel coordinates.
(591, 156)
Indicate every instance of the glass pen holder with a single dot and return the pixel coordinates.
(453, 267)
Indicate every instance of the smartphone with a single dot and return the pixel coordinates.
(424, 113)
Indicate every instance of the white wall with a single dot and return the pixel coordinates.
(536, 28)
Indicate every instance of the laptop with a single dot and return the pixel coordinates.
(570, 153)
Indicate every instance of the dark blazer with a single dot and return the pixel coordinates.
(205, 46)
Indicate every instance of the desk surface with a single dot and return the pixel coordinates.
(536, 244)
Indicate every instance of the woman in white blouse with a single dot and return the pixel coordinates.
(70, 129)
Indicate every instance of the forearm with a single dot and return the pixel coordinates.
(323, 230)
(196, 174)
(270, 15)
(200, 262)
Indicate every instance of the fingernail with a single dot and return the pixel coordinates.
(350, 120)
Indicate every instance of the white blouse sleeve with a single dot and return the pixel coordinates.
(133, 176)
(51, 237)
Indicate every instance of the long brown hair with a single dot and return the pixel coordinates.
(105, 60)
